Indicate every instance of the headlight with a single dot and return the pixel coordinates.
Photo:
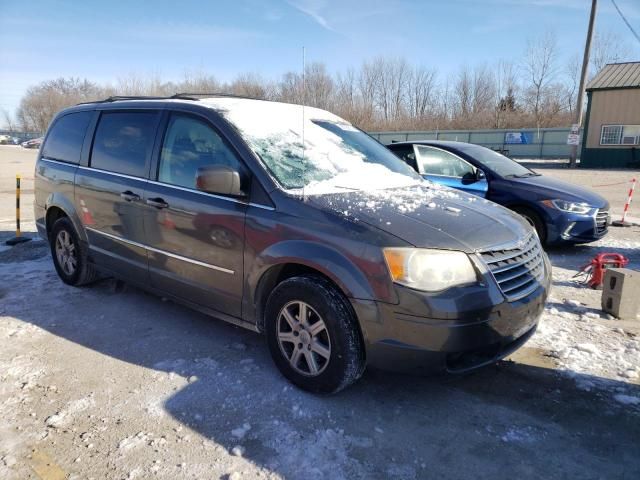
(429, 270)
(566, 206)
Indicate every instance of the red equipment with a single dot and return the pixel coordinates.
(594, 270)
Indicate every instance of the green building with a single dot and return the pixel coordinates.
(612, 125)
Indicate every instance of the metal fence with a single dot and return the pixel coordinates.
(531, 143)
(21, 135)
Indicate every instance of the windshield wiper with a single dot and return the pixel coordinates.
(522, 175)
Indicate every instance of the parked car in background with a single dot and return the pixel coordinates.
(341, 254)
(561, 212)
(5, 139)
(33, 143)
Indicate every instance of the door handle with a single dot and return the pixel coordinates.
(129, 196)
(157, 202)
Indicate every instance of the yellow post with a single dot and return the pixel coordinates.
(17, 205)
(18, 238)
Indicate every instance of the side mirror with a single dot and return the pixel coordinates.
(220, 179)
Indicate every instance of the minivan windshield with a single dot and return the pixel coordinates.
(496, 162)
(314, 149)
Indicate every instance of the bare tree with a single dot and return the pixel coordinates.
(608, 47)
(384, 93)
(421, 84)
(368, 80)
(463, 97)
(199, 82)
(319, 86)
(540, 70)
(251, 85)
(41, 102)
(570, 87)
(506, 87)
(8, 120)
(484, 94)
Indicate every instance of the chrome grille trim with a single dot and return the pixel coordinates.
(602, 219)
(518, 270)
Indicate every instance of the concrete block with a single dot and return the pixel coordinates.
(621, 293)
(622, 281)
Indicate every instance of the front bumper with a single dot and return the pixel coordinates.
(565, 227)
(464, 329)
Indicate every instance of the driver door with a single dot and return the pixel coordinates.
(446, 168)
(195, 238)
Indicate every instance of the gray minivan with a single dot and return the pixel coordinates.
(289, 221)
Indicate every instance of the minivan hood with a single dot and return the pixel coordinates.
(552, 189)
(430, 216)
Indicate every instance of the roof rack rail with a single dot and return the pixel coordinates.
(194, 96)
(175, 96)
(116, 98)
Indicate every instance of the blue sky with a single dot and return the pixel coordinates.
(106, 39)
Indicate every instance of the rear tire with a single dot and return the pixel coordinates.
(70, 255)
(313, 335)
(535, 221)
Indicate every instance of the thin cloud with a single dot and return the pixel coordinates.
(312, 8)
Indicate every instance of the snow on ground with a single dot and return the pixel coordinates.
(578, 335)
(105, 382)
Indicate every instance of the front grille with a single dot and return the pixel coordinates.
(602, 220)
(518, 270)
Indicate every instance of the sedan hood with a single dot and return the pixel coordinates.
(430, 216)
(550, 189)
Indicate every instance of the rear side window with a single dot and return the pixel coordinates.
(66, 136)
(123, 142)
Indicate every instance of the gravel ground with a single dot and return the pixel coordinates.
(109, 382)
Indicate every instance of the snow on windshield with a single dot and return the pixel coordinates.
(336, 156)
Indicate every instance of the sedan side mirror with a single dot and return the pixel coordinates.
(220, 179)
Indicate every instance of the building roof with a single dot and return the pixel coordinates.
(617, 75)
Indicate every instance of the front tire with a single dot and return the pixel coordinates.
(70, 255)
(313, 335)
(535, 221)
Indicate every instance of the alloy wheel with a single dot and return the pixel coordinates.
(66, 253)
(303, 338)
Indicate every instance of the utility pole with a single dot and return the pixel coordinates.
(583, 80)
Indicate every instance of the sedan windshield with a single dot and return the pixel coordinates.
(314, 149)
(496, 162)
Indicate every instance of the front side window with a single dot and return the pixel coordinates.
(494, 161)
(191, 145)
(440, 162)
(65, 139)
(123, 142)
(406, 153)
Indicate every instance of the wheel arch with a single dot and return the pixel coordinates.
(544, 219)
(293, 258)
(58, 206)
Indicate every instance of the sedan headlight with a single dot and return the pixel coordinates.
(571, 207)
(429, 270)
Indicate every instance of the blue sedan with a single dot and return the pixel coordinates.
(560, 212)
